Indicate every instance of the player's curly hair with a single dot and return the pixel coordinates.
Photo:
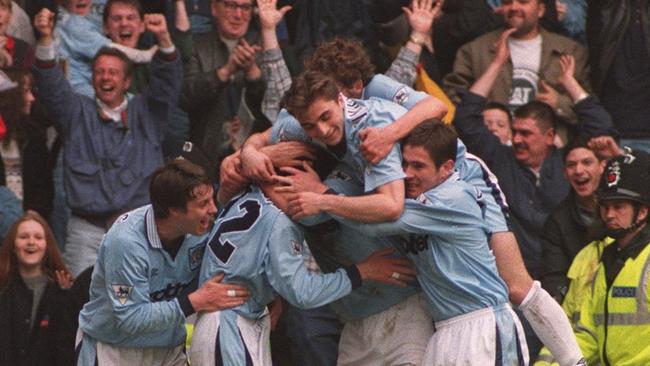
(343, 59)
(438, 139)
(306, 89)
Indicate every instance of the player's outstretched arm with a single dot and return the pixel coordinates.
(386, 204)
(378, 142)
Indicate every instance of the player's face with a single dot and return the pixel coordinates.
(110, 81)
(124, 25)
(523, 15)
(323, 121)
(498, 123)
(421, 172)
(30, 244)
(79, 7)
(200, 212)
(530, 144)
(583, 170)
(232, 17)
(617, 214)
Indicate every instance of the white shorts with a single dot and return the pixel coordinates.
(396, 336)
(490, 336)
(93, 352)
(243, 342)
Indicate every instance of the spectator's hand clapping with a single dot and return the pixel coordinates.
(244, 56)
(502, 53)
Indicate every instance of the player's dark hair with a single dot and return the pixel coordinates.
(343, 59)
(114, 52)
(133, 3)
(306, 89)
(174, 184)
(438, 139)
(541, 112)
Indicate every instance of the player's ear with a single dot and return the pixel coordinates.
(448, 167)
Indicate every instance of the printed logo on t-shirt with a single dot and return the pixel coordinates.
(524, 87)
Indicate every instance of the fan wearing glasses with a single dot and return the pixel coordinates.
(223, 68)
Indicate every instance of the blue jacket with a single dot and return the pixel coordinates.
(530, 201)
(108, 165)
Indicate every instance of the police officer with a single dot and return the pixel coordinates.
(614, 323)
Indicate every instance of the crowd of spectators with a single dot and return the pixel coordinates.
(97, 95)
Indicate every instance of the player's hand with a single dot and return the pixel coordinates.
(64, 279)
(289, 153)
(605, 147)
(269, 15)
(375, 144)
(548, 94)
(502, 53)
(304, 204)
(256, 165)
(156, 24)
(231, 178)
(214, 295)
(44, 24)
(297, 180)
(382, 266)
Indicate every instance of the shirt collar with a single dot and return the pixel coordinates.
(152, 230)
(114, 114)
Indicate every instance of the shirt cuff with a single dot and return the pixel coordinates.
(273, 54)
(167, 50)
(186, 305)
(354, 276)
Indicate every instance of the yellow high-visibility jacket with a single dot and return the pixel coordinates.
(614, 325)
(581, 275)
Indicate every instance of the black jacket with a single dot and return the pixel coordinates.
(42, 346)
(606, 24)
(564, 235)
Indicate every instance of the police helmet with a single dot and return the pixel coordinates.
(627, 177)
